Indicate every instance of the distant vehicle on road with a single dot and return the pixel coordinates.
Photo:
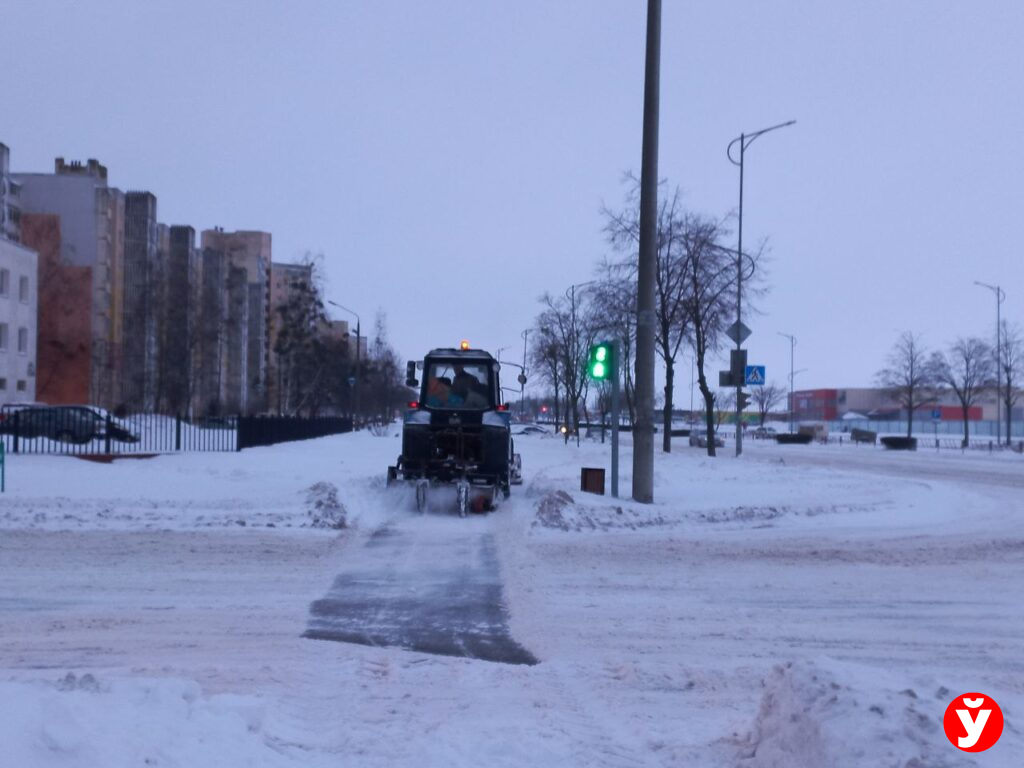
(699, 439)
(764, 433)
(530, 429)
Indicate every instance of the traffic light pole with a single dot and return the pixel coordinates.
(617, 367)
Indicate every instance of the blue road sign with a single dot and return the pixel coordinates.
(937, 414)
(754, 375)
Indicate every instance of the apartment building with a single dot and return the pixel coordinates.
(18, 312)
(246, 276)
(91, 237)
(140, 305)
(10, 199)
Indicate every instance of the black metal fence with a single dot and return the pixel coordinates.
(268, 430)
(86, 430)
(74, 429)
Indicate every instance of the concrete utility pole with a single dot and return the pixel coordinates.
(1000, 297)
(643, 430)
(792, 344)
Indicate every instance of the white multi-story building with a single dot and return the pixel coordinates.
(18, 312)
(10, 205)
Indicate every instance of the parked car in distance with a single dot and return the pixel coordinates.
(530, 429)
(764, 433)
(78, 424)
(699, 438)
(120, 430)
(66, 425)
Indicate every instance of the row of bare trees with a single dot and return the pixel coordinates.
(970, 368)
(317, 371)
(696, 274)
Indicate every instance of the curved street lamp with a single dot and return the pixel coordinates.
(744, 140)
(358, 345)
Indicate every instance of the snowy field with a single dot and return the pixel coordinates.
(800, 606)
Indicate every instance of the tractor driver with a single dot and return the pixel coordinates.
(438, 391)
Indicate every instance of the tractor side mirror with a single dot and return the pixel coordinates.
(410, 374)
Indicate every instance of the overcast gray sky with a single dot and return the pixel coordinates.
(450, 159)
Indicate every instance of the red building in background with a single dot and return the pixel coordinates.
(64, 357)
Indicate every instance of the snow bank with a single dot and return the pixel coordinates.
(89, 722)
(826, 713)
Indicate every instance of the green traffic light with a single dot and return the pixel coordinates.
(601, 354)
(598, 371)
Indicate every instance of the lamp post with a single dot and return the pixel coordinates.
(744, 140)
(522, 379)
(792, 343)
(358, 345)
(575, 353)
(1000, 297)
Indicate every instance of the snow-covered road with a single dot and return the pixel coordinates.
(760, 613)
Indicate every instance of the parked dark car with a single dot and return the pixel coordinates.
(78, 424)
(67, 425)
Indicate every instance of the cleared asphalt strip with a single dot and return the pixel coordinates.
(430, 588)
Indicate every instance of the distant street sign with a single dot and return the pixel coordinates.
(937, 414)
(738, 332)
(754, 375)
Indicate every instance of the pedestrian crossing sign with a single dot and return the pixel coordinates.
(754, 375)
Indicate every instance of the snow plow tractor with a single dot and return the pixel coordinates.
(457, 435)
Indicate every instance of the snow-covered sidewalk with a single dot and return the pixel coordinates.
(760, 613)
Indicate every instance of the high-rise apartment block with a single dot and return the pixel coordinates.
(10, 199)
(132, 315)
(91, 218)
(240, 261)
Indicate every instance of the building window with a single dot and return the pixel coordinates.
(23, 340)
(23, 289)
(21, 385)
(5, 282)
(3, 385)
(3, 337)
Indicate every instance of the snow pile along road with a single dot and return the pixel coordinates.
(823, 713)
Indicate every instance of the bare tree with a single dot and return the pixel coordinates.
(711, 276)
(725, 404)
(909, 376)
(765, 398)
(614, 300)
(967, 367)
(570, 327)
(1011, 369)
(383, 377)
(299, 345)
(671, 284)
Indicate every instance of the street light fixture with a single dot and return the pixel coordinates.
(358, 345)
(1000, 297)
(792, 343)
(744, 140)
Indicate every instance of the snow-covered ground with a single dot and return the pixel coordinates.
(800, 606)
